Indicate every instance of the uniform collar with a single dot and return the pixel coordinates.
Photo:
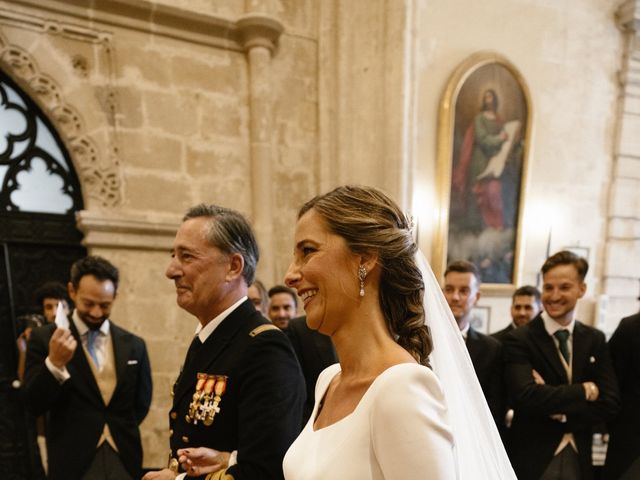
(204, 332)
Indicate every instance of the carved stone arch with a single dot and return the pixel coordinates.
(99, 175)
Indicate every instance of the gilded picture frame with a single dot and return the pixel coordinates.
(484, 134)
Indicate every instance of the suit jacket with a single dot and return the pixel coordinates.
(260, 403)
(624, 429)
(315, 352)
(534, 434)
(501, 335)
(77, 413)
(486, 356)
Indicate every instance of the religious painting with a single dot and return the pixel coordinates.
(485, 126)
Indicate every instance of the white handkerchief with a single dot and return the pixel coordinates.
(62, 321)
(132, 362)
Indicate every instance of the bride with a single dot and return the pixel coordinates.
(404, 402)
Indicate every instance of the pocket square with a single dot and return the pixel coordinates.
(135, 362)
(592, 359)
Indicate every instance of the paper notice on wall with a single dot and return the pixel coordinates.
(496, 164)
(62, 321)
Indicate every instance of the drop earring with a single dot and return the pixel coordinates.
(362, 274)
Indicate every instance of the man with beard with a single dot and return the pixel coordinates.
(525, 305)
(94, 380)
(283, 306)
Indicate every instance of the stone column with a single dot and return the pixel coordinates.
(620, 274)
(259, 35)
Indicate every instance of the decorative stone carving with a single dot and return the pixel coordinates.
(99, 175)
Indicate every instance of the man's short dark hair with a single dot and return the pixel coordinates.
(94, 265)
(283, 289)
(527, 291)
(463, 266)
(565, 257)
(230, 232)
(50, 290)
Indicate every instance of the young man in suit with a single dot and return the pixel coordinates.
(283, 306)
(238, 400)
(525, 305)
(560, 379)
(462, 291)
(94, 380)
(623, 453)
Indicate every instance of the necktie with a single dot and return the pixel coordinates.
(193, 350)
(563, 338)
(91, 346)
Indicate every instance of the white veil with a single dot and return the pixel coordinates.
(479, 451)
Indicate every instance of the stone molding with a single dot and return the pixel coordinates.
(168, 21)
(259, 30)
(100, 177)
(106, 229)
(628, 16)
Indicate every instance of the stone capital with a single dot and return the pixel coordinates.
(628, 16)
(259, 30)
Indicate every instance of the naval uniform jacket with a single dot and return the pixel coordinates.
(260, 409)
(77, 413)
(535, 436)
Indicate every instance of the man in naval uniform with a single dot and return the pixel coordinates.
(241, 391)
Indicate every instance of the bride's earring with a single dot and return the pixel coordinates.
(362, 274)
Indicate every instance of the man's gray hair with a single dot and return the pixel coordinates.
(229, 231)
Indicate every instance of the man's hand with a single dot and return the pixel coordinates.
(202, 460)
(165, 474)
(591, 391)
(537, 377)
(61, 347)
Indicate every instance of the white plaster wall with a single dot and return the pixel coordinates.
(569, 52)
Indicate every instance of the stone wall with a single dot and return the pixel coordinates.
(163, 106)
(260, 104)
(569, 54)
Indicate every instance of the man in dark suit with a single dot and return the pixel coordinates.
(94, 380)
(462, 291)
(560, 380)
(315, 352)
(525, 305)
(237, 404)
(283, 305)
(623, 453)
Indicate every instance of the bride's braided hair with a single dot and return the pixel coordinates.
(369, 221)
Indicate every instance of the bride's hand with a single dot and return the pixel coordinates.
(202, 460)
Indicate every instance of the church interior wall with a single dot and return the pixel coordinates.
(569, 54)
(354, 90)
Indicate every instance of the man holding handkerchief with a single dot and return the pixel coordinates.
(94, 380)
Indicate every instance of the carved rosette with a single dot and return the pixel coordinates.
(100, 177)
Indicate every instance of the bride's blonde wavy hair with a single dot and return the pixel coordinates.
(370, 221)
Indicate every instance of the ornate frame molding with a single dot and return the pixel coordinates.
(100, 178)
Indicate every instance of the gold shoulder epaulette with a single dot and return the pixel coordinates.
(261, 329)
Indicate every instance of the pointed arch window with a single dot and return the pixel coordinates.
(36, 173)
